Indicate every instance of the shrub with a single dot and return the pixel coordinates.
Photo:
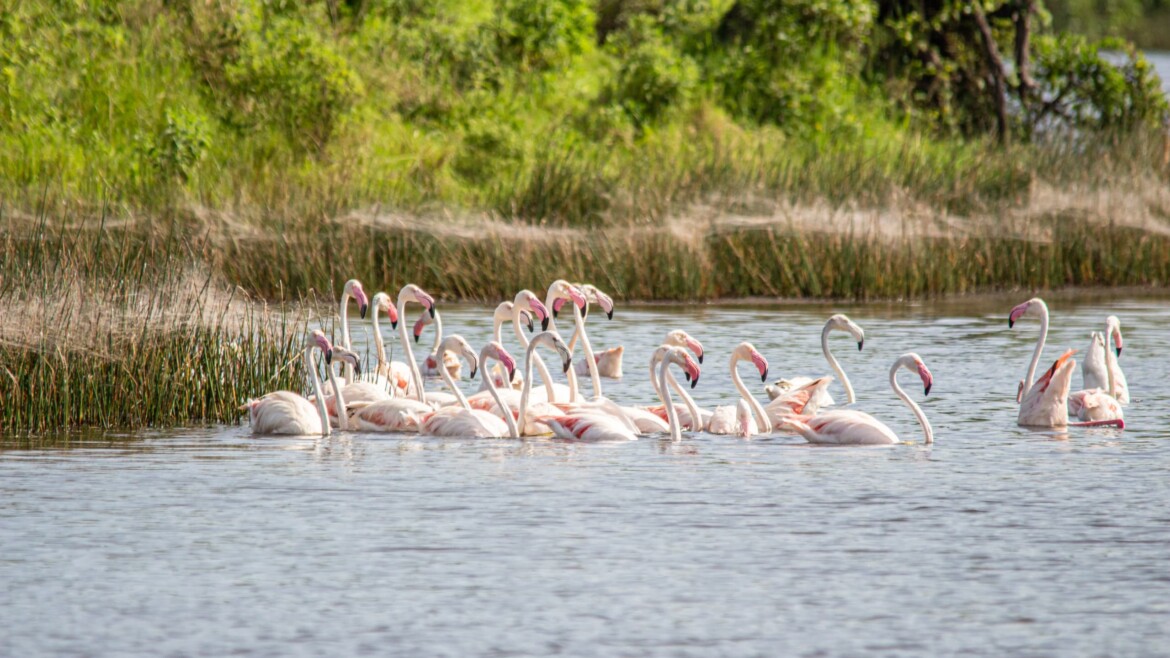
(651, 76)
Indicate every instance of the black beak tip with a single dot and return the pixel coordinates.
(565, 368)
(764, 376)
(362, 310)
(927, 389)
(512, 375)
(556, 314)
(544, 324)
(357, 368)
(1011, 323)
(584, 312)
(416, 338)
(328, 356)
(530, 327)
(700, 358)
(694, 381)
(473, 371)
(609, 314)
(394, 324)
(432, 310)
(860, 344)
(1119, 351)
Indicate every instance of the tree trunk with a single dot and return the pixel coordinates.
(998, 74)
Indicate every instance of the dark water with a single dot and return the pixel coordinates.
(995, 541)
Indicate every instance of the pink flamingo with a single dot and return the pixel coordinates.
(608, 362)
(724, 419)
(521, 405)
(285, 412)
(850, 427)
(688, 411)
(501, 316)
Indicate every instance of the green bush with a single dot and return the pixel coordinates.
(651, 76)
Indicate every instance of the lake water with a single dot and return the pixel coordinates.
(1161, 62)
(994, 541)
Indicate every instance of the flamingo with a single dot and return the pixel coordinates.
(285, 412)
(352, 288)
(1095, 403)
(430, 366)
(723, 419)
(851, 427)
(838, 322)
(689, 410)
(501, 316)
(609, 362)
(560, 289)
(462, 420)
(394, 376)
(411, 293)
(1101, 364)
(1044, 402)
(591, 426)
(337, 400)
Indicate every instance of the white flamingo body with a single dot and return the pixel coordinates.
(285, 412)
(852, 427)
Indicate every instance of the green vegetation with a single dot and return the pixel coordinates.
(1144, 22)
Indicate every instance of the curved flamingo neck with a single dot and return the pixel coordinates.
(918, 413)
(505, 410)
(834, 364)
(338, 400)
(345, 342)
(1039, 349)
(664, 395)
(526, 390)
(415, 374)
(577, 330)
(1110, 364)
(315, 382)
(451, 384)
(524, 342)
(761, 418)
(438, 335)
(588, 349)
(692, 407)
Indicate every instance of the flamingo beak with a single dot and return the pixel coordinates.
(927, 378)
(566, 364)
(696, 347)
(860, 344)
(426, 300)
(418, 328)
(540, 311)
(544, 324)
(577, 296)
(329, 356)
(357, 367)
(392, 313)
(1016, 313)
(556, 309)
(473, 371)
(359, 296)
(1117, 339)
(761, 365)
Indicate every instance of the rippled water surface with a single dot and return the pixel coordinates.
(994, 541)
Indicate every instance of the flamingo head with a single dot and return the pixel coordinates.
(1032, 308)
(841, 322)
(554, 340)
(457, 345)
(423, 320)
(317, 339)
(496, 351)
(347, 356)
(601, 299)
(914, 363)
(528, 301)
(681, 357)
(1113, 327)
(383, 303)
(353, 288)
(561, 289)
(747, 351)
(412, 293)
(680, 338)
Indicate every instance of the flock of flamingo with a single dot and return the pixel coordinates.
(393, 397)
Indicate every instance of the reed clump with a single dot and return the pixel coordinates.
(102, 334)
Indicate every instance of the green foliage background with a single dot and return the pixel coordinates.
(561, 111)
